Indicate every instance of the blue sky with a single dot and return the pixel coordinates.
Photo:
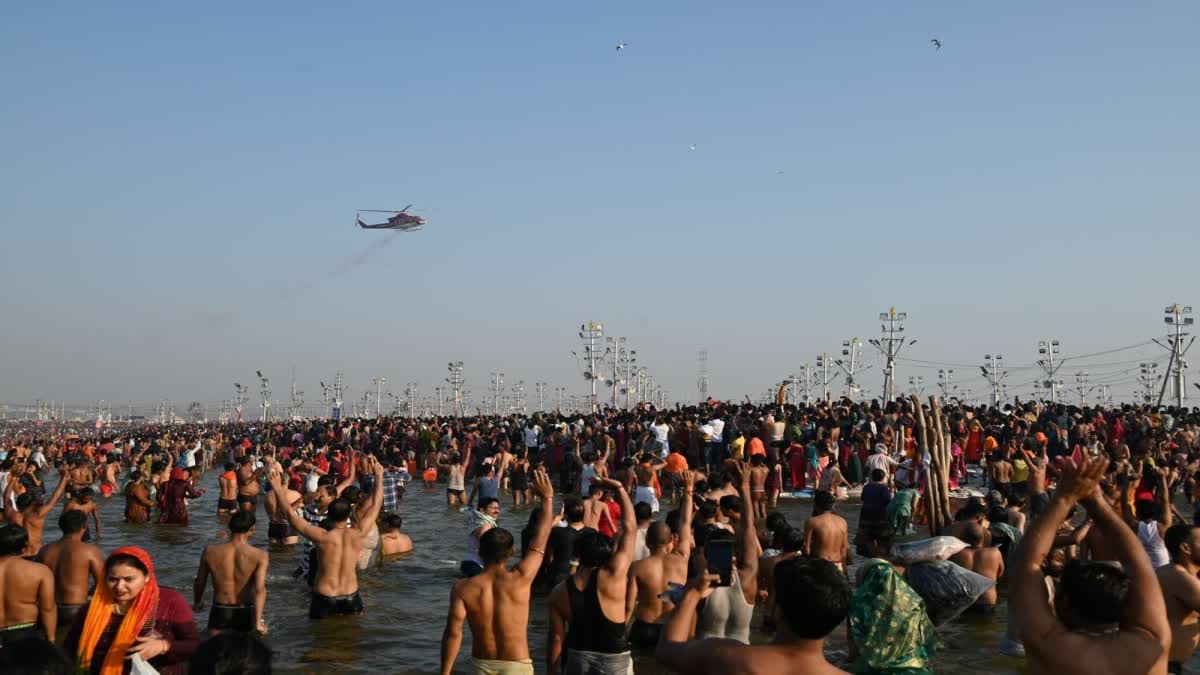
(178, 187)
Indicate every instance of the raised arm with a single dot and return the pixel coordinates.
(622, 557)
(532, 560)
(58, 493)
(351, 477)
(368, 519)
(1164, 501)
(299, 524)
(746, 535)
(687, 508)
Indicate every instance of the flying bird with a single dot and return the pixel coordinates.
(692, 146)
(778, 172)
(621, 45)
(937, 44)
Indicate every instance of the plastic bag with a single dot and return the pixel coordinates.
(927, 550)
(948, 589)
(140, 666)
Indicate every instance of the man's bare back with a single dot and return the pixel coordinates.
(26, 595)
(72, 562)
(827, 536)
(1181, 591)
(986, 561)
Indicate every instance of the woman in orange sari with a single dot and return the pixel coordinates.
(130, 614)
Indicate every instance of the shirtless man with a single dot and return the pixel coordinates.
(84, 501)
(496, 601)
(109, 475)
(247, 480)
(826, 534)
(278, 530)
(646, 471)
(1181, 592)
(30, 514)
(1126, 629)
(239, 572)
(72, 562)
(227, 502)
(1001, 472)
(26, 590)
(759, 472)
(655, 575)
(82, 475)
(391, 540)
(981, 559)
(335, 589)
(595, 509)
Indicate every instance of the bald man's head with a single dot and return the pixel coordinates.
(658, 536)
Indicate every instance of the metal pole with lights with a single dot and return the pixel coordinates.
(264, 391)
(378, 382)
(1176, 316)
(852, 354)
(890, 345)
(1049, 348)
(994, 375)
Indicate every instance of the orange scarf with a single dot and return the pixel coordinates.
(100, 611)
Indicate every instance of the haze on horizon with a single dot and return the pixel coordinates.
(179, 188)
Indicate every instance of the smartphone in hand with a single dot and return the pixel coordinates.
(719, 555)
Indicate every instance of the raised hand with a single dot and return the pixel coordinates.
(1083, 481)
(542, 486)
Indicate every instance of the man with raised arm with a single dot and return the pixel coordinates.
(587, 610)
(496, 601)
(651, 577)
(335, 589)
(1104, 620)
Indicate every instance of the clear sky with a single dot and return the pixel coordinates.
(178, 183)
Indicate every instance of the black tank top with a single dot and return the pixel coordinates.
(589, 630)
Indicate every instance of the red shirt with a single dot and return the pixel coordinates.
(614, 510)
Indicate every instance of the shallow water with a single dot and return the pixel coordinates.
(406, 599)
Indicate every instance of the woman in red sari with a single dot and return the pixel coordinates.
(173, 496)
(131, 615)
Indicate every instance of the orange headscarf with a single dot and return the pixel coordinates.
(100, 611)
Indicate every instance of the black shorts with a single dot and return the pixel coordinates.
(238, 618)
(324, 606)
(644, 635)
(1174, 667)
(252, 500)
(280, 531)
(10, 636)
(227, 505)
(452, 491)
(67, 614)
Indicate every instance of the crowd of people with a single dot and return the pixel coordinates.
(651, 533)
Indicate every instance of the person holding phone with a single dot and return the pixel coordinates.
(734, 558)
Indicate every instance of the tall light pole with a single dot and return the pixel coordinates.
(702, 378)
(558, 394)
(592, 334)
(265, 392)
(410, 390)
(1176, 316)
(240, 396)
(823, 363)
(1148, 379)
(541, 394)
(497, 383)
(1081, 388)
(378, 382)
(945, 382)
(994, 375)
(917, 384)
(890, 345)
(440, 393)
(1048, 349)
(456, 383)
(849, 363)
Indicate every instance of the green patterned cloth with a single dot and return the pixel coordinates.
(888, 623)
(900, 511)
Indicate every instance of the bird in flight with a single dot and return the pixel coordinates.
(692, 146)
(621, 45)
(937, 44)
(778, 172)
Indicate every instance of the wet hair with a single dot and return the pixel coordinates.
(877, 475)
(13, 540)
(673, 520)
(353, 494)
(756, 460)
(970, 511)
(1177, 535)
(25, 501)
(573, 510)
(880, 533)
(822, 502)
(1148, 509)
(485, 502)
(657, 535)
(731, 503)
(338, 512)
(776, 521)
(596, 489)
(1095, 592)
(707, 510)
(997, 514)
(495, 546)
(231, 654)
(71, 522)
(84, 494)
(125, 559)
(393, 521)
(642, 511)
(229, 466)
(241, 522)
(972, 535)
(813, 595)
(593, 549)
(35, 656)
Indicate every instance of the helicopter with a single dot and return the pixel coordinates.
(400, 220)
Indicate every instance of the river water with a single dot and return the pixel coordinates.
(406, 599)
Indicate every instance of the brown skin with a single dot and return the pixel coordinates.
(827, 536)
(137, 494)
(496, 602)
(1144, 636)
(612, 581)
(786, 655)
(982, 560)
(277, 507)
(653, 575)
(758, 494)
(247, 483)
(89, 508)
(239, 574)
(27, 594)
(33, 518)
(73, 562)
(1181, 593)
(337, 549)
(595, 509)
(126, 582)
(394, 543)
(229, 490)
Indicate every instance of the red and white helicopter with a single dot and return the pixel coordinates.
(400, 220)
